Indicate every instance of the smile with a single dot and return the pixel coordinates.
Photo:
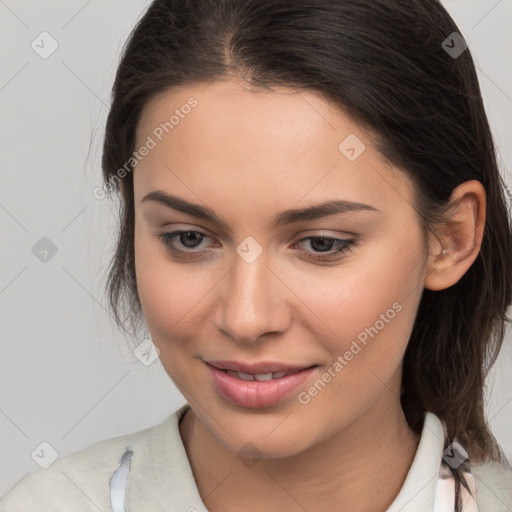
(257, 390)
(261, 377)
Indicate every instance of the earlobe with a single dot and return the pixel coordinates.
(459, 237)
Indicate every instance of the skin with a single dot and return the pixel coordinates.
(247, 155)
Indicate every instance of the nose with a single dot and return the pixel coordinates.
(253, 302)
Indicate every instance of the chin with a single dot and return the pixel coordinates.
(258, 447)
(274, 435)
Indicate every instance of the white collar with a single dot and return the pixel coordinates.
(418, 490)
(169, 485)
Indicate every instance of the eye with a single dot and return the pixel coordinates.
(188, 240)
(187, 244)
(332, 247)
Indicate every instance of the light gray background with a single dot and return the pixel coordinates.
(66, 376)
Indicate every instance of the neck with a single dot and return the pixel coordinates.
(361, 468)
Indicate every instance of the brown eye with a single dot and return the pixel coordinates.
(183, 242)
(327, 248)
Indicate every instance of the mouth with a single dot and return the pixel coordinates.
(258, 368)
(261, 377)
(261, 371)
(257, 385)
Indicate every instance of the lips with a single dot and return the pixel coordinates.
(256, 385)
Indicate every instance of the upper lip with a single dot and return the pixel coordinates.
(257, 368)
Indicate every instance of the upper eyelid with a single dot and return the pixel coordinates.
(177, 226)
(177, 232)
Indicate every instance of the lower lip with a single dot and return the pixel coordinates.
(253, 393)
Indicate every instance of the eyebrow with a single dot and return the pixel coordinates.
(284, 217)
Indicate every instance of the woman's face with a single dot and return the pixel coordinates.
(330, 298)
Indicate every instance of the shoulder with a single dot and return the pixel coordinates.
(81, 481)
(493, 486)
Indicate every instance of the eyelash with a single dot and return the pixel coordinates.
(344, 245)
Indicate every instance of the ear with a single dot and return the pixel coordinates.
(459, 237)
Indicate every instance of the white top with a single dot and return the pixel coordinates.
(156, 476)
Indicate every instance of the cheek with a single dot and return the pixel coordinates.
(370, 309)
(169, 291)
(371, 299)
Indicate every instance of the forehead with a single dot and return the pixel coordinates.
(224, 137)
(281, 114)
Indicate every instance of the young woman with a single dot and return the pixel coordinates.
(315, 231)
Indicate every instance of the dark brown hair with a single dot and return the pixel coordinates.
(384, 63)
